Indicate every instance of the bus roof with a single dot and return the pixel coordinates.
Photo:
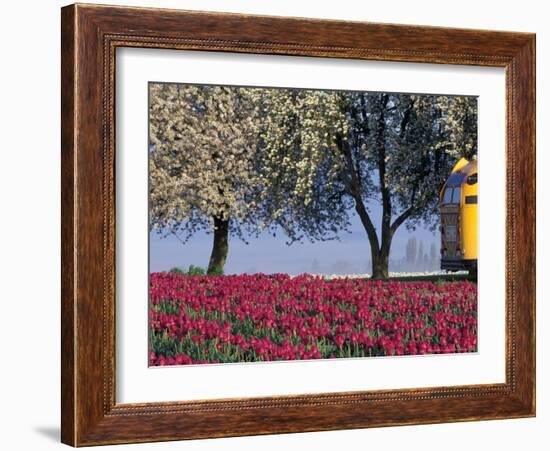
(465, 167)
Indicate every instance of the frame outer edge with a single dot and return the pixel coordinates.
(68, 225)
(534, 225)
(524, 63)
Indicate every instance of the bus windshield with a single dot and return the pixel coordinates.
(456, 196)
(451, 196)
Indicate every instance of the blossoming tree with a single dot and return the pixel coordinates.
(395, 149)
(296, 130)
(203, 163)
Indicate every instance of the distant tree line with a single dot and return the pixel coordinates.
(417, 259)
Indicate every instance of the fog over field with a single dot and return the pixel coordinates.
(268, 254)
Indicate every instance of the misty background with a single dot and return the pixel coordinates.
(411, 251)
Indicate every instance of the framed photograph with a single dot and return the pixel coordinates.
(278, 225)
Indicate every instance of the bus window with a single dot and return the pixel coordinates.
(456, 196)
(447, 196)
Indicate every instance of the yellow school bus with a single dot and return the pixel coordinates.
(458, 209)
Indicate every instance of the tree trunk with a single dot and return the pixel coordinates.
(380, 266)
(220, 247)
(380, 254)
(381, 257)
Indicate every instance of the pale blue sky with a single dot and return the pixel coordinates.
(271, 255)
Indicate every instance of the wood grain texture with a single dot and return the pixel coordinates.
(90, 35)
(68, 173)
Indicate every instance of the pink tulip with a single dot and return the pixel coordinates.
(278, 317)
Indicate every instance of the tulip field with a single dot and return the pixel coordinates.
(258, 317)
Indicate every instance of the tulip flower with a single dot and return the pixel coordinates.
(259, 317)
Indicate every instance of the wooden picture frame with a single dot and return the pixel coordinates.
(90, 35)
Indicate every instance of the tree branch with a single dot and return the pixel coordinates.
(353, 184)
(405, 214)
(381, 151)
